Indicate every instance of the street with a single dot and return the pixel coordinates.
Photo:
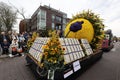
(15, 69)
(107, 68)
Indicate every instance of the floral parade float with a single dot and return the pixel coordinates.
(108, 41)
(54, 58)
(31, 40)
(92, 28)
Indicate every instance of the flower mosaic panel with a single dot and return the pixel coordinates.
(86, 46)
(73, 50)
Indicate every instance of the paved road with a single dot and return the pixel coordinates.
(108, 68)
(15, 69)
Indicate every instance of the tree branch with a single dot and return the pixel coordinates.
(20, 12)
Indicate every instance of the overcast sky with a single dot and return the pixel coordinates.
(108, 9)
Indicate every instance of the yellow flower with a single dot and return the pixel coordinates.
(31, 40)
(50, 60)
(59, 46)
(41, 65)
(56, 49)
(45, 47)
(55, 61)
(64, 63)
(52, 44)
(51, 50)
(46, 53)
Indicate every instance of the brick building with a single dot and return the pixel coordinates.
(24, 24)
(45, 18)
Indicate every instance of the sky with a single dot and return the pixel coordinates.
(107, 9)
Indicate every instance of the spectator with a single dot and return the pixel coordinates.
(21, 42)
(15, 36)
(23, 45)
(4, 36)
(25, 34)
(20, 39)
(14, 47)
(5, 46)
(30, 34)
(10, 36)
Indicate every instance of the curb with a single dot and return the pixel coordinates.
(4, 56)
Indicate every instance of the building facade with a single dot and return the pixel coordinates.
(45, 18)
(24, 25)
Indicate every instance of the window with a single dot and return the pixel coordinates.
(41, 20)
(59, 27)
(43, 15)
(59, 19)
(65, 16)
(63, 27)
(64, 21)
(53, 17)
(53, 26)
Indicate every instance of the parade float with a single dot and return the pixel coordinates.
(54, 58)
(107, 44)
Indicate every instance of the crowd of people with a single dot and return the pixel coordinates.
(12, 43)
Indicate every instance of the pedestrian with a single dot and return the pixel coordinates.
(30, 34)
(3, 39)
(10, 36)
(21, 42)
(1, 51)
(4, 36)
(23, 45)
(25, 34)
(5, 46)
(14, 48)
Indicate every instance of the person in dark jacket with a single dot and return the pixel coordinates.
(25, 34)
(9, 35)
(3, 36)
(5, 46)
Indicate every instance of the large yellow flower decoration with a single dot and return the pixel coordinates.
(92, 28)
(87, 31)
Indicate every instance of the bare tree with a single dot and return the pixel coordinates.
(20, 11)
(7, 16)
